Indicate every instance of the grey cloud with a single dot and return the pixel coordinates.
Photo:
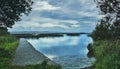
(75, 15)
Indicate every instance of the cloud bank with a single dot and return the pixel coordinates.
(60, 15)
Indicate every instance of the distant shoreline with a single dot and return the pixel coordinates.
(52, 34)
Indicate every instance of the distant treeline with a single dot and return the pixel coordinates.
(45, 35)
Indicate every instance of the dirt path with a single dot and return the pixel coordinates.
(26, 54)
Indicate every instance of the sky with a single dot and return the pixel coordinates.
(60, 15)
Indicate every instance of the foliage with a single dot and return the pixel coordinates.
(109, 25)
(91, 51)
(109, 7)
(102, 31)
(11, 11)
(3, 31)
(107, 53)
(44, 65)
(106, 48)
(8, 45)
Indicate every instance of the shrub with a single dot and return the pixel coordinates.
(102, 31)
(107, 53)
(3, 31)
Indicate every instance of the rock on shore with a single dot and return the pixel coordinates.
(27, 55)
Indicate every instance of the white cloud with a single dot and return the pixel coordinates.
(49, 25)
(46, 23)
(71, 15)
(47, 20)
(44, 5)
(45, 42)
(75, 26)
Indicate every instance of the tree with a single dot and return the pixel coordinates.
(3, 31)
(12, 10)
(102, 30)
(111, 10)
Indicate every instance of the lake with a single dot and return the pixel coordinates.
(69, 51)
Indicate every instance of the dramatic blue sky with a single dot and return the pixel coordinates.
(60, 15)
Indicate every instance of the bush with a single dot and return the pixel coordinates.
(8, 45)
(107, 53)
(102, 31)
(3, 31)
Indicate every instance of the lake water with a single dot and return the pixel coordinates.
(69, 51)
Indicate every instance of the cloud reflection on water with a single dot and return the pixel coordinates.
(62, 46)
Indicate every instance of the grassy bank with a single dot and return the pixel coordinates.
(8, 45)
(107, 54)
(43, 65)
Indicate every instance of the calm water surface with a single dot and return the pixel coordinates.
(69, 51)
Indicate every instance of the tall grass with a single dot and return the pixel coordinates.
(43, 65)
(107, 54)
(8, 45)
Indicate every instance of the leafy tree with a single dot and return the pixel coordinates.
(12, 10)
(102, 31)
(109, 26)
(110, 8)
(3, 31)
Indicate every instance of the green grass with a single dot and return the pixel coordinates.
(44, 65)
(107, 54)
(8, 45)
